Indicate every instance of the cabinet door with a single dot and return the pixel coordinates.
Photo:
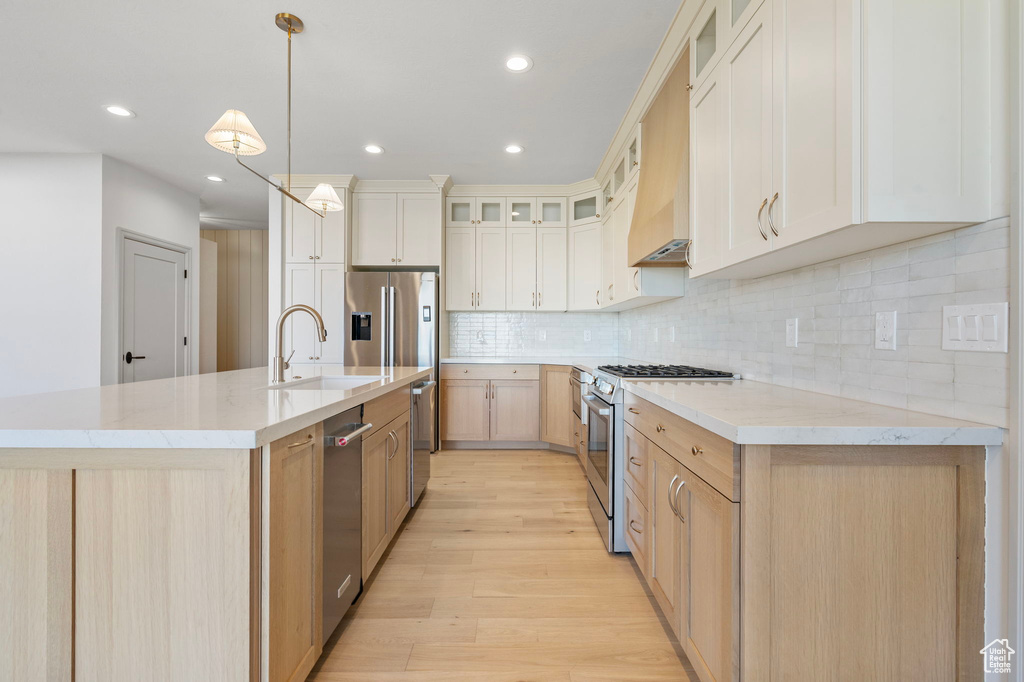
(551, 268)
(521, 212)
(585, 208)
(490, 268)
(623, 287)
(556, 423)
(490, 211)
(460, 211)
(515, 410)
(630, 286)
(746, 80)
(399, 470)
(300, 233)
(375, 532)
(419, 229)
(300, 333)
(708, 162)
(330, 302)
(666, 534)
(521, 268)
(637, 530)
(709, 606)
(551, 211)
(460, 268)
(637, 462)
(812, 118)
(585, 267)
(330, 236)
(375, 229)
(465, 409)
(610, 261)
(295, 511)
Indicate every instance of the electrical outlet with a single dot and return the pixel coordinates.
(542, 334)
(587, 335)
(792, 332)
(885, 330)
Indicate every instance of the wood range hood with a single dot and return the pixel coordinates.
(659, 234)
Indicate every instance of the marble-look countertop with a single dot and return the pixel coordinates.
(752, 412)
(219, 410)
(584, 362)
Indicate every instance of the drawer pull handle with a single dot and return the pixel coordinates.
(660, 428)
(696, 450)
(309, 439)
(635, 462)
(632, 524)
(634, 410)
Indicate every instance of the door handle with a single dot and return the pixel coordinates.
(391, 434)
(128, 357)
(671, 496)
(760, 227)
(771, 223)
(342, 441)
(676, 499)
(418, 390)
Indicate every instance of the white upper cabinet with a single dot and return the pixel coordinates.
(521, 212)
(375, 228)
(585, 208)
(612, 262)
(551, 268)
(419, 234)
(551, 212)
(460, 268)
(300, 335)
(308, 237)
(521, 268)
(475, 211)
(585, 267)
(708, 163)
(396, 229)
(490, 268)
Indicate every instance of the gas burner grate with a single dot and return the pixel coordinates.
(663, 372)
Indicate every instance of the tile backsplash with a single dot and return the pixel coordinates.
(740, 325)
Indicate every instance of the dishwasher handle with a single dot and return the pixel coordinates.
(419, 388)
(342, 441)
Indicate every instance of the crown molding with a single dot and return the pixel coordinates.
(671, 48)
(581, 187)
(413, 186)
(443, 182)
(311, 181)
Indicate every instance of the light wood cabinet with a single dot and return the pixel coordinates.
(391, 229)
(585, 266)
(465, 409)
(399, 470)
(556, 406)
(386, 487)
(666, 534)
(515, 410)
(499, 403)
(295, 512)
(310, 238)
(638, 537)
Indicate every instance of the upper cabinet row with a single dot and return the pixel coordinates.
(523, 211)
(396, 229)
(822, 129)
(308, 238)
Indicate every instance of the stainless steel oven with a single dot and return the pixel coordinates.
(602, 497)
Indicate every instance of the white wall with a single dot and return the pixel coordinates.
(136, 201)
(50, 272)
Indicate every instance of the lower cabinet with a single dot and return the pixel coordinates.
(667, 534)
(515, 410)
(386, 503)
(556, 414)
(498, 403)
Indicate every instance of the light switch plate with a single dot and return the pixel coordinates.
(981, 327)
(792, 332)
(586, 335)
(885, 330)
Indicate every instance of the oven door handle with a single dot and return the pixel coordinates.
(603, 411)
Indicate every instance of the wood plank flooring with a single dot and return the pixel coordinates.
(500, 576)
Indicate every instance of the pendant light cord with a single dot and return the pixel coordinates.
(289, 107)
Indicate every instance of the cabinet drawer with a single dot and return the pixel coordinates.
(380, 411)
(522, 372)
(710, 456)
(636, 530)
(636, 463)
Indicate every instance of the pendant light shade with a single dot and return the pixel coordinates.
(324, 198)
(234, 128)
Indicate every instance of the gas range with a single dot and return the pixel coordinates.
(607, 382)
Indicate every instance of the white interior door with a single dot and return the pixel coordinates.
(155, 312)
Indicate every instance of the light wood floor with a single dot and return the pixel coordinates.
(500, 576)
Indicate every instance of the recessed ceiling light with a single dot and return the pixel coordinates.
(374, 148)
(118, 110)
(518, 63)
(513, 149)
(214, 178)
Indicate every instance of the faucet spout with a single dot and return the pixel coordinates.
(280, 363)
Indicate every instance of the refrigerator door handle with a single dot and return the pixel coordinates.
(391, 327)
(383, 326)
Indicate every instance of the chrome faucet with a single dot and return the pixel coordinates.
(280, 364)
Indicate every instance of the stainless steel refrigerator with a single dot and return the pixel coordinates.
(391, 320)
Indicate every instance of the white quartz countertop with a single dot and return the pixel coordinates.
(584, 362)
(219, 410)
(752, 412)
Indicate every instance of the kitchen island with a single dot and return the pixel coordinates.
(169, 529)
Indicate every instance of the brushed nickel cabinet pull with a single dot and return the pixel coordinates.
(771, 223)
(676, 498)
(671, 497)
(632, 524)
(309, 439)
(760, 227)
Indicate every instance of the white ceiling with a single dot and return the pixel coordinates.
(424, 79)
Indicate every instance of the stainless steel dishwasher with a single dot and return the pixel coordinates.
(342, 550)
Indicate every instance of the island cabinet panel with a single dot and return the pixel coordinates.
(376, 450)
(162, 575)
(399, 485)
(295, 546)
(35, 574)
(556, 405)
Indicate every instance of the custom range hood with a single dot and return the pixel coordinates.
(659, 234)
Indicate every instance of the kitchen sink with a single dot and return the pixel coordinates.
(326, 383)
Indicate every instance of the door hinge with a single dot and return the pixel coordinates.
(186, 340)
(186, 274)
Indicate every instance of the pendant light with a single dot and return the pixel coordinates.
(235, 134)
